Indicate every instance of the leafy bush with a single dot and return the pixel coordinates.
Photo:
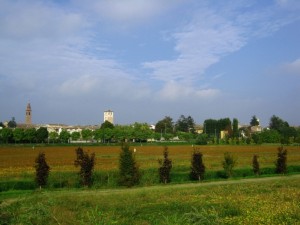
(201, 139)
(228, 164)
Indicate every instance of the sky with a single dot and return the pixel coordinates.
(145, 60)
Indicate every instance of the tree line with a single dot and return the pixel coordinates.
(184, 129)
(129, 174)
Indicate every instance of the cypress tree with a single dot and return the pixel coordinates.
(128, 169)
(197, 166)
(255, 165)
(42, 170)
(165, 167)
(281, 166)
(86, 163)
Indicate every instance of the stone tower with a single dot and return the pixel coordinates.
(109, 116)
(28, 114)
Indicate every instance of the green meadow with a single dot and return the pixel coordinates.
(272, 200)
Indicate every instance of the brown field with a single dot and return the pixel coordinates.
(18, 159)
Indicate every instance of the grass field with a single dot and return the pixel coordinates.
(274, 200)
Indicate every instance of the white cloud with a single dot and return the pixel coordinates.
(291, 68)
(214, 33)
(126, 12)
(200, 44)
(30, 20)
(289, 4)
(79, 86)
(173, 91)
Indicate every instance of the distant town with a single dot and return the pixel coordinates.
(222, 131)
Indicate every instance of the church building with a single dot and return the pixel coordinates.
(28, 115)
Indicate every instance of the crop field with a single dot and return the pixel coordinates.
(16, 160)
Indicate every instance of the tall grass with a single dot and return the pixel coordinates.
(273, 201)
(149, 177)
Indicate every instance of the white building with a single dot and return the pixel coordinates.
(109, 116)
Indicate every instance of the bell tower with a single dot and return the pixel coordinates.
(28, 115)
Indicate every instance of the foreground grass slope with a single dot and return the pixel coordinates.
(274, 200)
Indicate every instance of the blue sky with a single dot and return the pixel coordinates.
(149, 59)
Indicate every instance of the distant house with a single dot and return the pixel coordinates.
(152, 127)
(223, 134)
(256, 129)
(198, 129)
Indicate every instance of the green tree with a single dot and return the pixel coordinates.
(288, 135)
(123, 133)
(297, 139)
(12, 123)
(129, 174)
(53, 136)
(107, 134)
(235, 128)
(30, 135)
(270, 136)
(210, 127)
(165, 167)
(213, 127)
(141, 131)
(186, 136)
(165, 126)
(255, 165)
(225, 124)
(197, 166)
(86, 134)
(42, 170)
(98, 135)
(42, 134)
(86, 163)
(75, 136)
(6, 135)
(257, 138)
(1, 124)
(229, 163)
(201, 139)
(64, 136)
(185, 124)
(107, 124)
(254, 121)
(277, 123)
(18, 134)
(281, 165)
